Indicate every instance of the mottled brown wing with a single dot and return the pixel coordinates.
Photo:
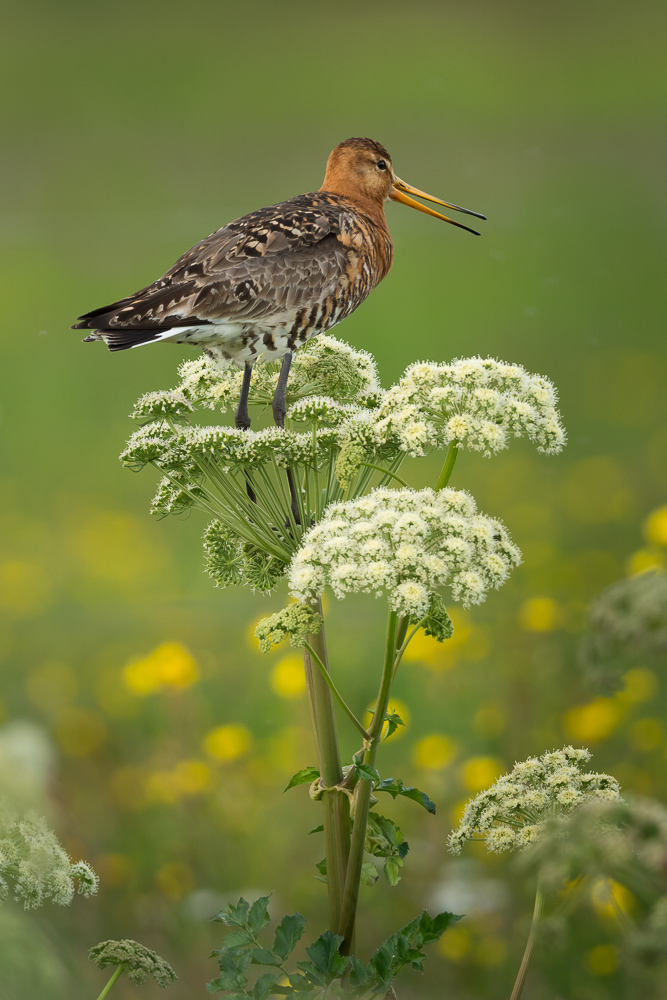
(263, 264)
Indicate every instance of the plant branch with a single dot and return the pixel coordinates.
(448, 467)
(525, 961)
(336, 805)
(385, 472)
(109, 986)
(363, 793)
(335, 692)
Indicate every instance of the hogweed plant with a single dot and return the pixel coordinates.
(352, 524)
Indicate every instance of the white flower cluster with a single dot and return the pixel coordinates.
(34, 866)
(479, 403)
(406, 544)
(511, 814)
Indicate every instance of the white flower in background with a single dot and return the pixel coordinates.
(512, 812)
(35, 868)
(479, 403)
(405, 544)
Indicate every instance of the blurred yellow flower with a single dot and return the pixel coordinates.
(80, 731)
(611, 899)
(113, 869)
(455, 943)
(288, 678)
(228, 742)
(433, 752)
(595, 721)
(647, 734)
(397, 707)
(480, 772)
(440, 655)
(24, 588)
(490, 951)
(603, 959)
(169, 665)
(52, 686)
(161, 787)
(489, 720)
(641, 684)
(539, 614)
(655, 527)
(175, 880)
(644, 560)
(192, 776)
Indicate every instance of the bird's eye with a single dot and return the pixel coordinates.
(381, 165)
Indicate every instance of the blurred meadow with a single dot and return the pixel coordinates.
(135, 709)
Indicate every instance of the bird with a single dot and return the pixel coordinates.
(257, 289)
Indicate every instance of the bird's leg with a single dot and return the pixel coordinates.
(242, 420)
(279, 411)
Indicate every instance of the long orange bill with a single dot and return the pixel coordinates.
(397, 194)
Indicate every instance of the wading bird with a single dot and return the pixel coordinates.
(260, 287)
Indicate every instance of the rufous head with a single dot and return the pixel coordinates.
(361, 169)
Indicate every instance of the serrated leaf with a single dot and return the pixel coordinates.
(236, 939)
(359, 973)
(396, 787)
(258, 915)
(402, 849)
(364, 771)
(369, 873)
(324, 953)
(393, 722)
(234, 915)
(392, 867)
(299, 983)
(263, 988)
(262, 956)
(233, 966)
(312, 974)
(215, 987)
(432, 928)
(307, 774)
(383, 959)
(437, 622)
(288, 932)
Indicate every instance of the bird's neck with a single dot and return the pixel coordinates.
(370, 206)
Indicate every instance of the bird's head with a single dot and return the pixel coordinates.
(361, 169)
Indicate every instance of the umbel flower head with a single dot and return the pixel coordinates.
(406, 544)
(511, 814)
(35, 868)
(627, 620)
(477, 402)
(138, 962)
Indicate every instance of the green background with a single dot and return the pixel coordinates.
(132, 130)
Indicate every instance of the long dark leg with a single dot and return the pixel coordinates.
(242, 420)
(279, 411)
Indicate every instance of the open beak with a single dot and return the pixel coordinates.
(397, 194)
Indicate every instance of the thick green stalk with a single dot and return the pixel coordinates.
(523, 968)
(336, 805)
(448, 467)
(363, 792)
(117, 974)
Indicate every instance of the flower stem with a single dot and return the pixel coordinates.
(448, 467)
(523, 968)
(363, 793)
(109, 986)
(336, 806)
(335, 692)
(385, 472)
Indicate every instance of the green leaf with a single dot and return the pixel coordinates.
(308, 774)
(261, 956)
(437, 622)
(324, 954)
(393, 722)
(215, 987)
(359, 974)
(322, 866)
(316, 829)
(237, 939)
(234, 916)
(392, 868)
(263, 988)
(233, 966)
(288, 932)
(382, 960)
(369, 873)
(396, 787)
(364, 771)
(258, 916)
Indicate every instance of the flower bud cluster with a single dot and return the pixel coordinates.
(35, 868)
(511, 814)
(405, 544)
(479, 403)
(138, 962)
